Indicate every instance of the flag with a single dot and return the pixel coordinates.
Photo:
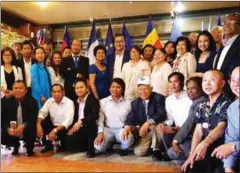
(202, 26)
(109, 40)
(92, 43)
(41, 37)
(66, 40)
(210, 24)
(127, 37)
(176, 32)
(152, 36)
(219, 22)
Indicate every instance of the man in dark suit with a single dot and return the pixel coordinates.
(229, 56)
(74, 68)
(146, 111)
(26, 63)
(19, 115)
(116, 60)
(84, 129)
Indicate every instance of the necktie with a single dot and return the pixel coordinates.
(19, 114)
(76, 61)
(146, 108)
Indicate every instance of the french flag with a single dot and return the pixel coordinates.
(66, 40)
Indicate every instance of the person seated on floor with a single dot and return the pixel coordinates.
(19, 117)
(230, 151)
(211, 117)
(54, 118)
(83, 131)
(181, 142)
(146, 111)
(113, 113)
(177, 107)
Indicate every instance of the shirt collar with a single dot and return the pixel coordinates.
(120, 100)
(121, 53)
(84, 100)
(75, 55)
(63, 101)
(231, 40)
(30, 62)
(182, 95)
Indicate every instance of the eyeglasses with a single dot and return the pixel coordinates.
(234, 81)
(231, 22)
(118, 41)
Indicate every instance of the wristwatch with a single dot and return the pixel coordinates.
(234, 147)
(55, 130)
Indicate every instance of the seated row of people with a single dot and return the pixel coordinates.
(150, 121)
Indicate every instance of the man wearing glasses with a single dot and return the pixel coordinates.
(116, 60)
(228, 57)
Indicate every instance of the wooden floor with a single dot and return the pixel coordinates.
(45, 163)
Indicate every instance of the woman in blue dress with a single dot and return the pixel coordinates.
(41, 81)
(205, 53)
(99, 75)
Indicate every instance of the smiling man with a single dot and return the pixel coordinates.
(19, 115)
(146, 111)
(211, 118)
(54, 118)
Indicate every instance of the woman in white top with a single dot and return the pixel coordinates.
(185, 62)
(55, 63)
(132, 71)
(160, 73)
(9, 72)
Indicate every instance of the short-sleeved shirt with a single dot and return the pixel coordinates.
(210, 117)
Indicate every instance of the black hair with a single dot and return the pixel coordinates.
(83, 81)
(27, 42)
(19, 43)
(175, 51)
(146, 46)
(62, 88)
(180, 78)
(120, 82)
(12, 54)
(20, 81)
(187, 41)
(136, 47)
(54, 66)
(99, 47)
(118, 35)
(197, 80)
(212, 44)
(39, 47)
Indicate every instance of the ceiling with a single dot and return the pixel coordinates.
(64, 12)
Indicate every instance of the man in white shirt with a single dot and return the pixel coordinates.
(54, 118)
(116, 60)
(113, 113)
(228, 57)
(26, 63)
(177, 107)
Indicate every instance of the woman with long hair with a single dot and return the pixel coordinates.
(9, 72)
(171, 52)
(54, 69)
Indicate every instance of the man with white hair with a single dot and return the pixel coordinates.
(146, 111)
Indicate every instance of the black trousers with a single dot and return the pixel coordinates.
(29, 136)
(47, 128)
(83, 139)
(209, 164)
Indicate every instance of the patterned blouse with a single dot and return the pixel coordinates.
(210, 117)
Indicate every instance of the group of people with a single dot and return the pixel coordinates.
(173, 101)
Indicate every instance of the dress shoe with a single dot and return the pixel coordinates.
(165, 157)
(90, 154)
(47, 148)
(15, 151)
(156, 155)
(30, 153)
(123, 152)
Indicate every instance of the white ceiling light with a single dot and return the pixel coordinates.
(179, 8)
(43, 4)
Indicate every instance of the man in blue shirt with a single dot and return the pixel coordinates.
(230, 151)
